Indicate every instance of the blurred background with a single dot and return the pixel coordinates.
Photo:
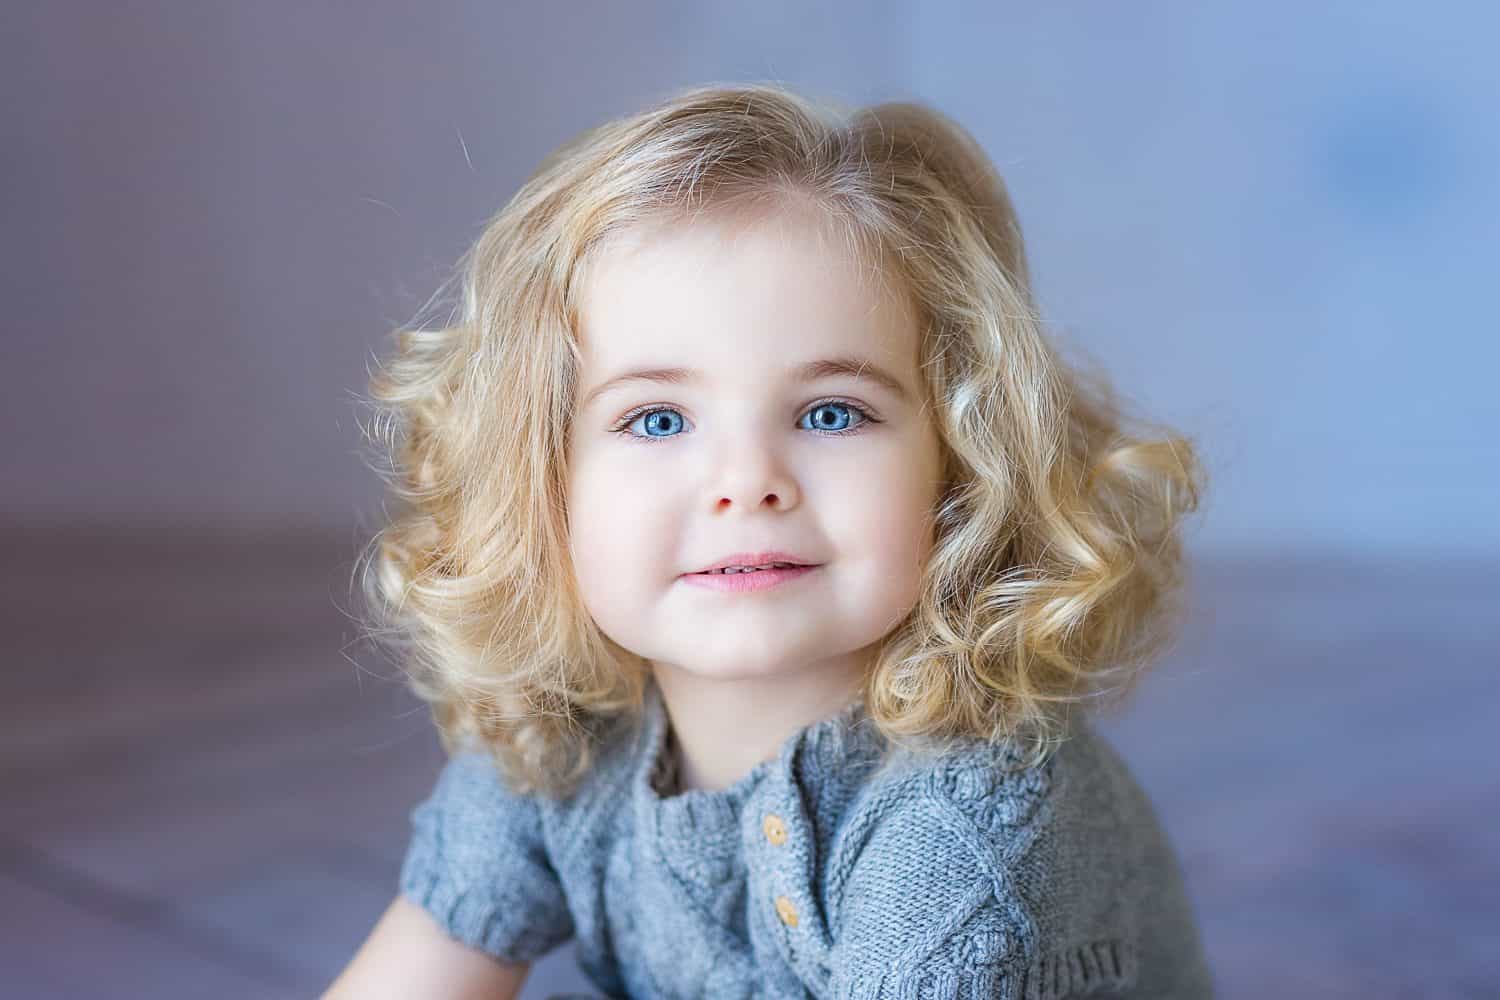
(1273, 224)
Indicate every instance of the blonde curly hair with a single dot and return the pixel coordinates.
(1057, 562)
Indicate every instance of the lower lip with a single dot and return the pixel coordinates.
(763, 579)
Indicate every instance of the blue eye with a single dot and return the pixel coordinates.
(661, 420)
(828, 420)
(833, 407)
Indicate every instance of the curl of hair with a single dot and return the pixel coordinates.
(1057, 558)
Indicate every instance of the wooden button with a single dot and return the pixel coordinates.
(786, 911)
(774, 828)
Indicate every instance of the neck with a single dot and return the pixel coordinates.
(723, 728)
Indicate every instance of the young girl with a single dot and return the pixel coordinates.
(758, 554)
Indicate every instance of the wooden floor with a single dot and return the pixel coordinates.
(205, 777)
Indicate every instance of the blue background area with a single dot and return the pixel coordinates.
(1273, 223)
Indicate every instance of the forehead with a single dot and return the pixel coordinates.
(738, 290)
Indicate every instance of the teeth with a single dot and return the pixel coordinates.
(751, 569)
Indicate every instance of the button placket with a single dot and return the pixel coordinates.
(774, 827)
(785, 844)
(785, 854)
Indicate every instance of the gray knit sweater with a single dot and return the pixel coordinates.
(818, 874)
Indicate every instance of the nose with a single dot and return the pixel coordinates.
(752, 478)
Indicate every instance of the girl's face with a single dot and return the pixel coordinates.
(750, 447)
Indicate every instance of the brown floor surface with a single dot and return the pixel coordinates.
(203, 795)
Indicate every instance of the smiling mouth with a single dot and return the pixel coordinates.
(749, 581)
(731, 570)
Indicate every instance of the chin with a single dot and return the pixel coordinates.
(735, 669)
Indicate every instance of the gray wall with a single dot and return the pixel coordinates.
(1269, 221)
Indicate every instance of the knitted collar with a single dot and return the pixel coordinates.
(832, 751)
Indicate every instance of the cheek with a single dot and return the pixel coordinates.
(890, 499)
(616, 532)
(601, 559)
(887, 529)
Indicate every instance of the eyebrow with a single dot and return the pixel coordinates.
(856, 368)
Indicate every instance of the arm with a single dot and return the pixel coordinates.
(477, 902)
(409, 955)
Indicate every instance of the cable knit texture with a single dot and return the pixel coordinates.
(819, 874)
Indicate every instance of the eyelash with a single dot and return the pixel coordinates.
(622, 426)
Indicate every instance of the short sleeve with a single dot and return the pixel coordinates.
(478, 863)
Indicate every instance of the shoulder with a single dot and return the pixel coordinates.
(943, 881)
(471, 793)
(971, 811)
(475, 826)
(937, 837)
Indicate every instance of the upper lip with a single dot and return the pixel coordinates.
(757, 559)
